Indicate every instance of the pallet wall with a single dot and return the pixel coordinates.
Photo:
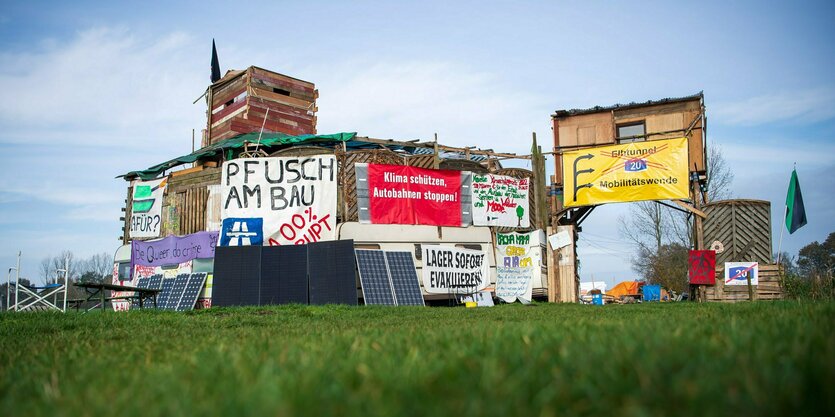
(770, 287)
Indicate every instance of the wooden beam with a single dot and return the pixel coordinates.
(690, 208)
(431, 145)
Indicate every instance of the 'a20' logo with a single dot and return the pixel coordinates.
(635, 165)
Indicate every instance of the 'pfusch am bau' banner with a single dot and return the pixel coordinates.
(637, 171)
(278, 200)
(449, 270)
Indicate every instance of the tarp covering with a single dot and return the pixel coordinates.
(237, 142)
(652, 292)
(624, 288)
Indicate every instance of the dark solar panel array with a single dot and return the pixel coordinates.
(284, 275)
(404, 278)
(176, 292)
(192, 291)
(374, 277)
(237, 276)
(331, 270)
(162, 298)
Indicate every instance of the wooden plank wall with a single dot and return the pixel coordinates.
(257, 97)
(744, 229)
(770, 287)
(184, 210)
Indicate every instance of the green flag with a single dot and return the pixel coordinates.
(795, 213)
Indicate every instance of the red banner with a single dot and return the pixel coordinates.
(409, 195)
(702, 267)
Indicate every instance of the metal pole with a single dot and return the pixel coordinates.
(17, 282)
(66, 281)
(780, 242)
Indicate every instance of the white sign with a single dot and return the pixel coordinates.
(559, 240)
(737, 273)
(499, 200)
(278, 200)
(518, 262)
(146, 208)
(449, 270)
(481, 298)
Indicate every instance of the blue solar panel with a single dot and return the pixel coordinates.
(142, 282)
(374, 277)
(154, 283)
(404, 279)
(191, 291)
(176, 292)
(162, 298)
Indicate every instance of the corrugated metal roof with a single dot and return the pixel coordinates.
(598, 109)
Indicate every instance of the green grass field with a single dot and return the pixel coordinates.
(540, 360)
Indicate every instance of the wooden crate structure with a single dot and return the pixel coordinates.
(770, 286)
(742, 228)
(239, 103)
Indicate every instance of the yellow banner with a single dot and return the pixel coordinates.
(652, 170)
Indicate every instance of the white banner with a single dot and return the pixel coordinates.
(278, 200)
(449, 270)
(146, 208)
(737, 273)
(499, 200)
(518, 263)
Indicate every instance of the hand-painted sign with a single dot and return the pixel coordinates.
(409, 195)
(278, 200)
(651, 170)
(173, 249)
(146, 208)
(518, 262)
(449, 270)
(737, 273)
(702, 269)
(499, 200)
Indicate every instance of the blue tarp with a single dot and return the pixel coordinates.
(652, 293)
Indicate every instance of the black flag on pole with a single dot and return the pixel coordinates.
(215, 64)
(795, 212)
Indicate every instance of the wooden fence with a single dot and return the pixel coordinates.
(769, 288)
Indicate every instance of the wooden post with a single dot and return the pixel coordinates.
(553, 278)
(436, 161)
(567, 267)
(698, 230)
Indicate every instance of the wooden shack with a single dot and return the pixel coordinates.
(740, 231)
(244, 101)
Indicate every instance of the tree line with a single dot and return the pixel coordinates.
(96, 268)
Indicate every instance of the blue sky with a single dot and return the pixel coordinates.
(92, 90)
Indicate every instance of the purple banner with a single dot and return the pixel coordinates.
(173, 249)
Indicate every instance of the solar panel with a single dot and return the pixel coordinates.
(284, 274)
(404, 279)
(154, 283)
(374, 277)
(142, 282)
(176, 292)
(331, 270)
(237, 276)
(191, 291)
(162, 298)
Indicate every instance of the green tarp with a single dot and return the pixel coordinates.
(267, 139)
